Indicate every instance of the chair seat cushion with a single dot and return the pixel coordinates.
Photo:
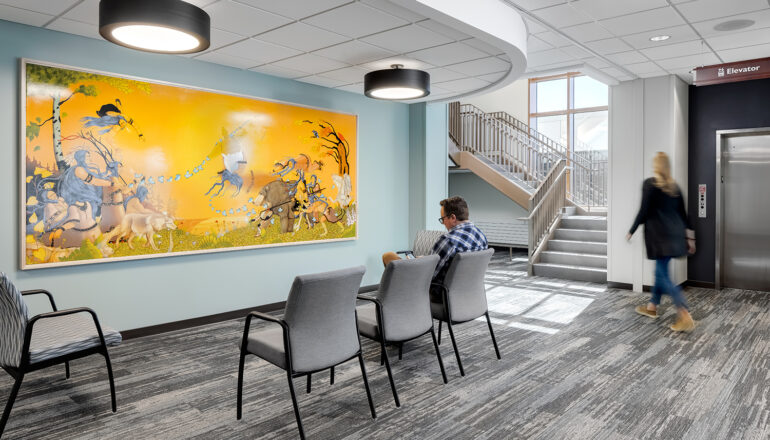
(268, 344)
(367, 321)
(61, 335)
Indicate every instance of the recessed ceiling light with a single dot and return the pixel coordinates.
(166, 26)
(397, 83)
(733, 25)
(660, 38)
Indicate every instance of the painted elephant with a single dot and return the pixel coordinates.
(276, 197)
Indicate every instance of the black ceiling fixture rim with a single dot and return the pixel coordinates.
(172, 14)
(396, 77)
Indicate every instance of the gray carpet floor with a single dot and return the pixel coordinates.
(578, 363)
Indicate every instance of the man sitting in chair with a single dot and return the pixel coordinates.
(461, 236)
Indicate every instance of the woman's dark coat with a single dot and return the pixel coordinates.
(665, 222)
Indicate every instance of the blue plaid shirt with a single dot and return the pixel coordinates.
(465, 237)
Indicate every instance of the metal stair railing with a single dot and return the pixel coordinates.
(545, 207)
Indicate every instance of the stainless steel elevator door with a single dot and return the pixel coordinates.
(746, 215)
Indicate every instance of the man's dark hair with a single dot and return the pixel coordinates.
(455, 205)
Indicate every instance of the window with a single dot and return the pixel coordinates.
(571, 109)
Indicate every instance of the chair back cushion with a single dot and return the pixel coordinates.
(404, 293)
(424, 241)
(320, 312)
(465, 285)
(13, 323)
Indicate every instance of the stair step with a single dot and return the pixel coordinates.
(583, 247)
(569, 272)
(574, 259)
(594, 223)
(581, 235)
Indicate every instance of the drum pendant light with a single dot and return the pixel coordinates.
(397, 83)
(163, 26)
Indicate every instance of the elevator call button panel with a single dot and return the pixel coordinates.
(702, 200)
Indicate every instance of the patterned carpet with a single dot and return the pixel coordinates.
(578, 363)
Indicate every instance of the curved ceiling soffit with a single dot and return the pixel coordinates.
(490, 21)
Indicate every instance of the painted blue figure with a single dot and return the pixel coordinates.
(232, 161)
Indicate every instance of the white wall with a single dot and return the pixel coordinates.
(511, 99)
(646, 116)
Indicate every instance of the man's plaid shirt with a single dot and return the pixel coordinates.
(465, 237)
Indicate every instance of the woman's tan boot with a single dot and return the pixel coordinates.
(684, 322)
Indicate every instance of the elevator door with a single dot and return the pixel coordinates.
(746, 215)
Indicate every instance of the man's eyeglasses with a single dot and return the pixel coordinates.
(441, 219)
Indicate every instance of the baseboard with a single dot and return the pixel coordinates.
(704, 284)
(201, 320)
(616, 285)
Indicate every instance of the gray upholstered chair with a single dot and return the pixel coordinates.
(30, 344)
(463, 295)
(318, 331)
(400, 310)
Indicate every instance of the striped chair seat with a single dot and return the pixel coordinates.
(53, 337)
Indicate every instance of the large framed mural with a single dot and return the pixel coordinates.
(116, 168)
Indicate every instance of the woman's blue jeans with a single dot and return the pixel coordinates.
(664, 285)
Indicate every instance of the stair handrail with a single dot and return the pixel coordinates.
(545, 207)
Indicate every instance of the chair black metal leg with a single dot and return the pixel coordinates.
(112, 380)
(296, 407)
(309, 376)
(390, 374)
(331, 379)
(382, 358)
(366, 384)
(439, 331)
(454, 344)
(491, 332)
(240, 385)
(438, 354)
(9, 405)
(67, 369)
(400, 350)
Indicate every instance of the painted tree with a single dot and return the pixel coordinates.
(335, 142)
(57, 84)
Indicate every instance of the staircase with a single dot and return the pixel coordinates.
(577, 251)
(542, 176)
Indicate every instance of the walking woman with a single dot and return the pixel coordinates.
(667, 234)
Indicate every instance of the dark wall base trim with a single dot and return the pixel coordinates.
(615, 285)
(201, 320)
(646, 288)
(705, 284)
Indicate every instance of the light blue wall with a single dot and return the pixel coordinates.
(485, 202)
(139, 293)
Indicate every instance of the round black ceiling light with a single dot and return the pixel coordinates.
(165, 26)
(397, 83)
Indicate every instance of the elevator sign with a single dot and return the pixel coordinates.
(702, 200)
(731, 72)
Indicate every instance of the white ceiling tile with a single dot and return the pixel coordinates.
(613, 72)
(745, 53)
(303, 37)
(587, 32)
(438, 90)
(492, 77)
(575, 52)
(675, 50)
(242, 19)
(643, 21)
(691, 61)
(448, 54)
(608, 46)
(563, 15)
(87, 11)
(394, 9)
(653, 74)
(547, 57)
(407, 39)
(598, 63)
(200, 3)
(354, 52)
(531, 5)
(462, 85)
(23, 16)
(630, 57)
(440, 74)
(295, 9)
(221, 38)
(708, 9)
(535, 44)
(480, 67)
(310, 63)
(47, 7)
(347, 75)
(568, 64)
(443, 30)
(270, 69)
(75, 27)
(534, 27)
(386, 63)
(553, 39)
(321, 81)
(227, 60)
(761, 19)
(356, 20)
(355, 88)
(259, 51)
(602, 9)
(640, 68)
(734, 40)
(677, 34)
(483, 46)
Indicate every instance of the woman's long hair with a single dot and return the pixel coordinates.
(661, 170)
